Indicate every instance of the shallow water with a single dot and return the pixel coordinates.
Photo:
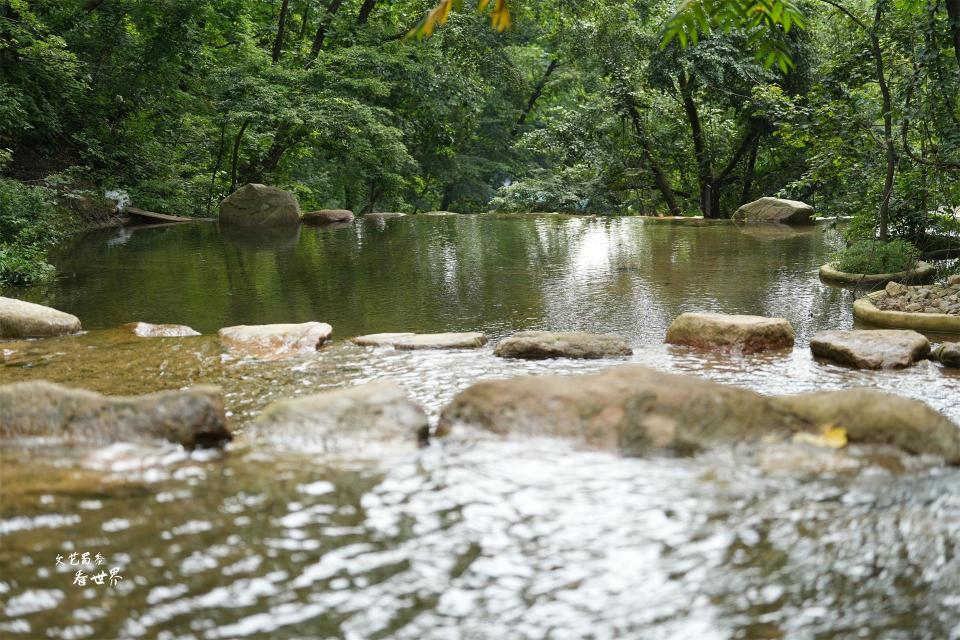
(479, 537)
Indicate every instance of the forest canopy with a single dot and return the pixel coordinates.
(594, 106)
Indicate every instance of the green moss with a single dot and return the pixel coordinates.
(874, 256)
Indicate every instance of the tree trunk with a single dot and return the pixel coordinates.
(883, 213)
(281, 28)
(537, 92)
(332, 9)
(748, 174)
(304, 19)
(236, 154)
(704, 168)
(663, 184)
(365, 10)
(953, 13)
(216, 165)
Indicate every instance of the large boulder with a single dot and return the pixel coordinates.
(147, 330)
(775, 210)
(871, 349)
(344, 420)
(745, 334)
(19, 319)
(328, 216)
(193, 417)
(257, 205)
(948, 354)
(270, 341)
(417, 341)
(632, 409)
(533, 345)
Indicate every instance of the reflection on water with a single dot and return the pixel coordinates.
(478, 537)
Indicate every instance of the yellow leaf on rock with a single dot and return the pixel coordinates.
(830, 437)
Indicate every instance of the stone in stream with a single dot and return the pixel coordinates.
(948, 354)
(439, 213)
(633, 409)
(746, 334)
(872, 348)
(417, 341)
(193, 417)
(383, 215)
(328, 216)
(533, 345)
(257, 205)
(271, 341)
(148, 330)
(19, 319)
(775, 210)
(344, 420)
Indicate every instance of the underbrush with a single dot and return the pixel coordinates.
(874, 256)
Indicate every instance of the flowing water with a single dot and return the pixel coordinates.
(479, 537)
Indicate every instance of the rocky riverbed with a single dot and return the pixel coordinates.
(926, 299)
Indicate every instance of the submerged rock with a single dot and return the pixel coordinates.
(439, 213)
(256, 205)
(344, 420)
(193, 417)
(633, 409)
(746, 334)
(19, 319)
(147, 330)
(415, 341)
(269, 341)
(570, 344)
(871, 349)
(948, 354)
(383, 215)
(775, 210)
(328, 216)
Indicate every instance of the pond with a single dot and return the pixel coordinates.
(481, 537)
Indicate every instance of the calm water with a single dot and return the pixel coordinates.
(479, 537)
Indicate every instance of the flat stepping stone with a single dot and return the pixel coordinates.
(271, 341)
(147, 330)
(19, 319)
(328, 216)
(871, 349)
(538, 345)
(744, 334)
(415, 341)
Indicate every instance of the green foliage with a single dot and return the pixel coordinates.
(29, 225)
(874, 256)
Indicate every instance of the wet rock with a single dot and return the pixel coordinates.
(632, 409)
(270, 341)
(147, 330)
(345, 420)
(896, 289)
(954, 281)
(533, 345)
(193, 417)
(439, 213)
(328, 216)
(871, 349)
(775, 210)
(876, 417)
(415, 341)
(19, 319)
(746, 334)
(257, 205)
(948, 354)
(927, 299)
(383, 215)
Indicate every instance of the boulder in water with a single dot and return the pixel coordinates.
(417, 341)
(193, 417)
(19, 319)
(147, 330)
(948, 354)
(745, 334)
(871, 349)
(534, 345)
(257, 205)
(328, 216)
(344, 420)
(271, 341)
(775, 210)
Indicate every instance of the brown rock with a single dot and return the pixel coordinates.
(19, 319)
(948, 354)
(257, 205)
(775, 210)
(147, 330)
(533, 345)
(871, 349)
(746, 334)
(416, 341)
(328, 216)
(272, 341)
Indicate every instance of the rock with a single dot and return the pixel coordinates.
(193, 417)
(415, 341)
(147, 330)
(894, 289)
(271, 341)
(632, 409)
(573, 344)
(383, 215)
(257, 205)
(954, 280)
(871, 349)
(345, 420)
(948, 354)
(19, 319)
(746, 334)
(775, 210)
(328, 216)
(439, 213)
